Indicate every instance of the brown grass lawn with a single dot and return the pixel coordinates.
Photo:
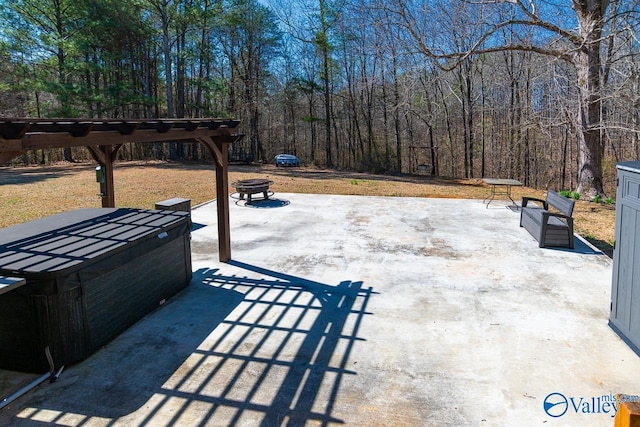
(28, 193)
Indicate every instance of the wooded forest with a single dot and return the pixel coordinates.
(546, 92)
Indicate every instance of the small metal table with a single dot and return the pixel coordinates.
(505, 184)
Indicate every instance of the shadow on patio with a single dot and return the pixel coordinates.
(282, 354)
(228, 350)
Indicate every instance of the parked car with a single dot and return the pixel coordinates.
(286, 160)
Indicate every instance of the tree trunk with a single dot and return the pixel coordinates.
(323, 43)
(166, 50)
(396, 114)
(590, 15)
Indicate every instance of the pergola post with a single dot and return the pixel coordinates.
(218, 147)
(109, 198)
(222, 200)
(105, 155)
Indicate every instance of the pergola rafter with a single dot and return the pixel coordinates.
(104, 137)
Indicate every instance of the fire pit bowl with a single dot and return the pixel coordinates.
(252, 186)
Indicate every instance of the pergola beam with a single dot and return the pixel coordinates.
(16, 128)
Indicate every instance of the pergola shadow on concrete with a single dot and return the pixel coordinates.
(104, 138)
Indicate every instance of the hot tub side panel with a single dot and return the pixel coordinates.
(17, 332)
(60, 319)
(124, 294)
(31, 323)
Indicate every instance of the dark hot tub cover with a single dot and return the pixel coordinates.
(91, 273)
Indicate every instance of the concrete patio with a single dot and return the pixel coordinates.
(350, 310)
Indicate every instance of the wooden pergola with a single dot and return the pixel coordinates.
(104, 137)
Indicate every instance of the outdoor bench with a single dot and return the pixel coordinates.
(549, 228)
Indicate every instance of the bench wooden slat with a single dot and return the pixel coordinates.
(561, 203)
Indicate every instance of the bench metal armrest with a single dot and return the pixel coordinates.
(526, 200)
(568, 219)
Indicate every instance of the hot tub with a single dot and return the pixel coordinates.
(90, 274)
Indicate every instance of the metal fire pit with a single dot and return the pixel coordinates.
(253, 186)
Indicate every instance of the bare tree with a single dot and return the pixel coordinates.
(579, 46)
(323, 44)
